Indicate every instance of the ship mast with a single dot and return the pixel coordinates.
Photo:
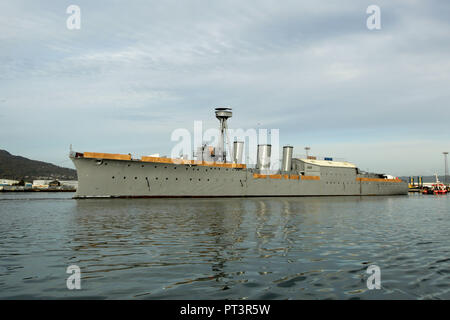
(222, 114)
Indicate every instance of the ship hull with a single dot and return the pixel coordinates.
(138, 179)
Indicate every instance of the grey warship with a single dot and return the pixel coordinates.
(211, 174)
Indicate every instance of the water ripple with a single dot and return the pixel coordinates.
(268, 248)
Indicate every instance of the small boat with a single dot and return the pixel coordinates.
(436, 188)
(439, 188)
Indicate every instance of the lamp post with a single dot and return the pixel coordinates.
(445, 166)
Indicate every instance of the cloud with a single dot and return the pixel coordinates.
(136, 71)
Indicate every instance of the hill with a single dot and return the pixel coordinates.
(18, 168)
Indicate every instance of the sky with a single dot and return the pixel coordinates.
(137, 70)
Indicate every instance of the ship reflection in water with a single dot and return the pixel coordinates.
(257, 248)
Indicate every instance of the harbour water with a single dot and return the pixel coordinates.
(254, 248)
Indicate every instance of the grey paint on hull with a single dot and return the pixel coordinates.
(123, 178)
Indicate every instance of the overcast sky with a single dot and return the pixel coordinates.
(137, 70)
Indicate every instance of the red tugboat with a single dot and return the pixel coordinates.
(436, 188)
(439, 188)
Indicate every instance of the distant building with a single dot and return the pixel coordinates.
(41, 184)
(44, 184)
(69, 183)
(54, 183)
(7, 182)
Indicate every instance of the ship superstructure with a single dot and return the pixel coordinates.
(218, 173)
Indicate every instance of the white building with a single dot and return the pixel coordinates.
(7, 182)
(41, 184)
